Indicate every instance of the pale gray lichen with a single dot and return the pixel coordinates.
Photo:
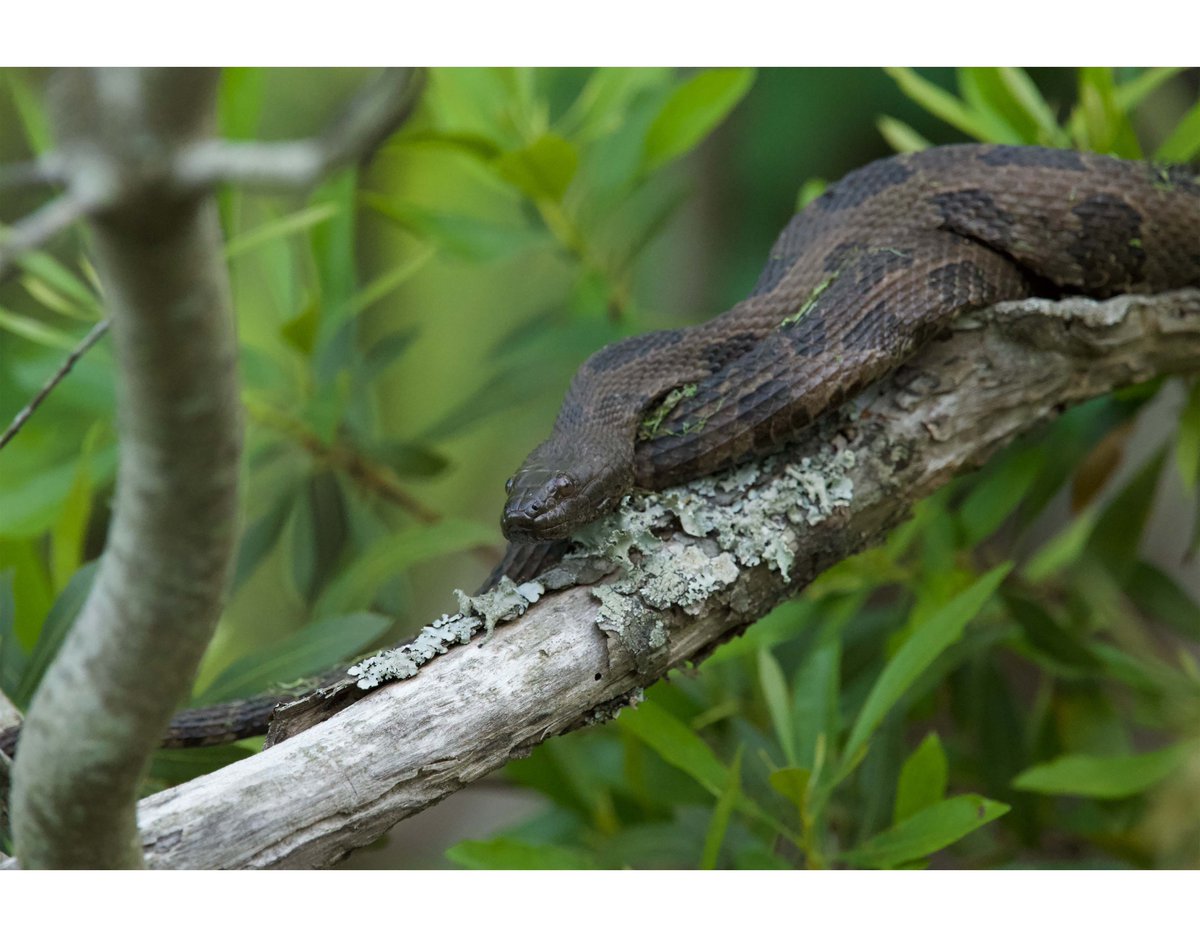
(627, 620)
(476, 613)
(609, 710)
(726, 522)
(503, 602)
(747, 512)
(400, 663)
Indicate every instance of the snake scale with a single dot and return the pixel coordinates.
(854, 285)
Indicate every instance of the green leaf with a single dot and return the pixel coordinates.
(1025, 95)
(318, 534)
(1098, 122)
(1102, 777)
(36, 331)
(947, 107)
(465, 236)
(1160, 597)
(29, 504)
(1194, 544)
(239, 102)
(1187, 441)
(792, 783)
(333, 248)
(295, 223)
(999, 492)
(646, 218)
(543, 169)
(676, 744)
(811, 190)
(1061, 550)
(775, 692)
(171, 766)
(260, 538)
(387, 282)
(387, 558)
(313, 649)
(861, 572)
(602, 106)
(756, 858)
(1131, 93)
(54, 631)
(1183, 144)
(988, 96)
(922, 780)
(44, 268)
(900, 136)
(483, 148)
(719, 824)
(410, 459)
(31, 112)
(513, 385)
(1011, 99)
(1117, 536)
(33, 593)
(384, 353)
(692, 112)
(926, 832)
(1046, 635)
(505, 853)
(70, 528)
(53, 300)
(815, 707)
(13, 659)
(927, 640)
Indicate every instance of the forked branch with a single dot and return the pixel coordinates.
(368, 120)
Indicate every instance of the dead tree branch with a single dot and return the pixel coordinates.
(314, 797)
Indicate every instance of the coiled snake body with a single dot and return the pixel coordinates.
(854, 284)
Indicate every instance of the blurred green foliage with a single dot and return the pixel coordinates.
(1009, 680)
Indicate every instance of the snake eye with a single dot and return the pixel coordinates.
(564, 485)
(508, 486)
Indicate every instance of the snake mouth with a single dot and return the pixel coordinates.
(521, 529)
(541, 506)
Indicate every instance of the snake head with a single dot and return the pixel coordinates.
(545, 504)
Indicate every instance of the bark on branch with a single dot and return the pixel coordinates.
(314, 797)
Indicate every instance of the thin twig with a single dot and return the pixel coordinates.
(373, 476)
(375, 112)
(34, 230)
(45, 170)
(81, 349)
